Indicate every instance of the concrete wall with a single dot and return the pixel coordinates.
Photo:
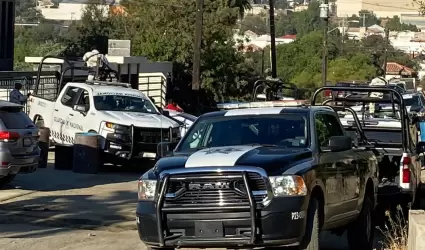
(416, 232)
(382, 8)
(66, 11)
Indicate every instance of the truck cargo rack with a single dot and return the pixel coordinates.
(395, 98)
(160, 210)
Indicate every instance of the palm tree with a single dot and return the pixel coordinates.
(242, 5)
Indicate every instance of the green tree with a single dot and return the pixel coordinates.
(367, 18)
(395, 24)
(255, 23)
(26, 12)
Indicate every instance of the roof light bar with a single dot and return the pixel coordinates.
(270, 104)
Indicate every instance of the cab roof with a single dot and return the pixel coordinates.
(267, 111)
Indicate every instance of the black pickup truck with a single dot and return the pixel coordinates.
(265, 177)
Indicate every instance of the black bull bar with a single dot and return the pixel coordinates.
(395, 98)
(164, 183)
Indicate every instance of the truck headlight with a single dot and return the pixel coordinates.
(120, 129)
(146, 189)
(288, 185)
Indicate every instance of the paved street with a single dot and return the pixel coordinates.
(58, 209)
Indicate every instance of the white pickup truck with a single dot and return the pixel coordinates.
(129, 123)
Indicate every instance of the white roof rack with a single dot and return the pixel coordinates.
(119, 84)
(269, 104)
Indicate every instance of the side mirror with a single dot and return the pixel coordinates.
(164, 149)
(80, 108)
(340, 143)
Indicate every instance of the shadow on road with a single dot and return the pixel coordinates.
(109, 211)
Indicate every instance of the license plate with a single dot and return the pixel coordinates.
(209, 229)
(27, 142)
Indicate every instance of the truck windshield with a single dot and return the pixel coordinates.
(289, 130)
(123, 103)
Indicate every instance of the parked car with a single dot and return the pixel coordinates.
(414, 102)
(19, 151)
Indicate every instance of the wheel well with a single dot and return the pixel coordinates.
(318, 194)
(37, 119)
(370, 190)
(92, 130)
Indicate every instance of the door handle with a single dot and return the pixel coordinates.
(71, 114)
(56, 109)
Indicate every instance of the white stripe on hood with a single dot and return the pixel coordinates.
(217, 156)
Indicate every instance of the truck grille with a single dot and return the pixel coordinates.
(150, 135)
(214, 189)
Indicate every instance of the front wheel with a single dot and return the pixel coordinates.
(311, 237)
(360, 234)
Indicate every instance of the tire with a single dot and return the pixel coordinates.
(159, 248)
(311, 237)
(360, 233)
(7, 179)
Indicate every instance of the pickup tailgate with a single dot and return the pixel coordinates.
(40, 107)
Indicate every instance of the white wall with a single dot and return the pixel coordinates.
(66, 11)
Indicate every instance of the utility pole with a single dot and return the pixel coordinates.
(196, 74)
(363, 16)
(387, 41)
(272, 39)
(324, 13)
(343, 34)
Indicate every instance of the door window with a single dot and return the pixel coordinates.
(84, 99)
(326, 127)
(70, 96)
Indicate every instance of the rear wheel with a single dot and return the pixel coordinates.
(7, 179)
(311, 237)
(360, 234)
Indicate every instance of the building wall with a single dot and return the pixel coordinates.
(66, 11)
(382, 8)
(7, 20)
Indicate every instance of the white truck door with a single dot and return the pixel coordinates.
(62, 120)
(80, 122)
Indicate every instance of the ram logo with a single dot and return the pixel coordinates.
(209, 186)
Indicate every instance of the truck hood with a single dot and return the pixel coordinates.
(139, 119)
(274, 160)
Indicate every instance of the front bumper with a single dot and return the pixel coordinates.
(281, 222)
(136, 145)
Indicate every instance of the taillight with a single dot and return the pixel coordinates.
(9, 136)
(406, 171)
(328, 93)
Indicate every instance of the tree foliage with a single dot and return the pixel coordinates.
(165, 32)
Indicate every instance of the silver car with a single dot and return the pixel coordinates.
(19, 151)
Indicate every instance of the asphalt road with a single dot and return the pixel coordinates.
(53, 209)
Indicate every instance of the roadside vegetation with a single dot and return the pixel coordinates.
(395, 231)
